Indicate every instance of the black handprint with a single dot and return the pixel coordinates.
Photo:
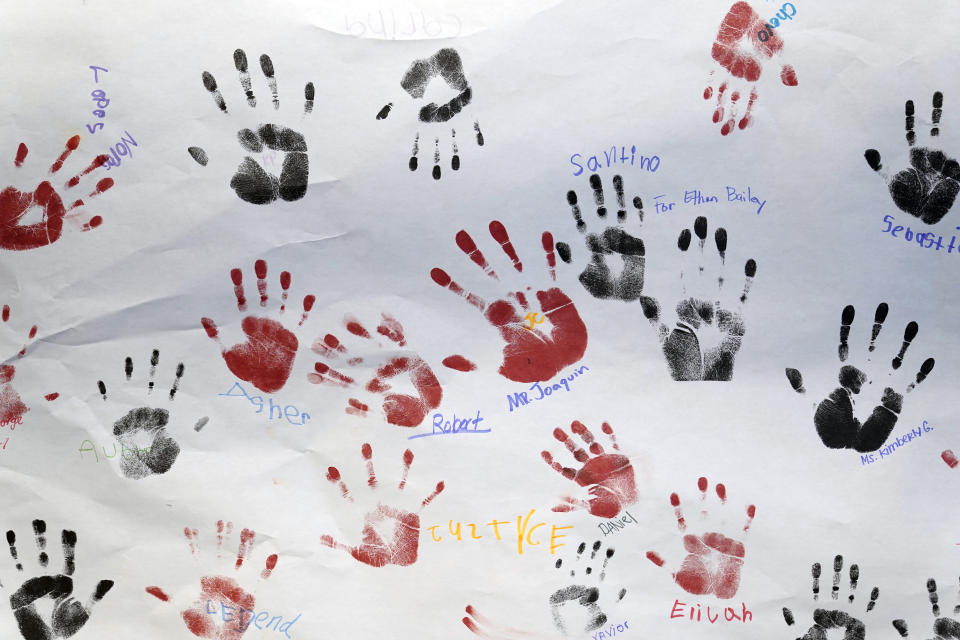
(67, 616)
(834, 419)
(146, 426)
(585, 596)
(252, 182)
(944, 628)
(445, 64)
(928, 189)
(826, 619)
(597, 277)
(707, 336)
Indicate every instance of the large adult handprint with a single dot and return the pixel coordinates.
(598, 277)
(530, 354)
(609, 476)
(67, 616)
(445, 64)
(15, 205)
(740, 52)
(708, 333)
(265, 358)
(391, 535)
(836, 425)
(928, 188)
(713, 559)
(252, 182)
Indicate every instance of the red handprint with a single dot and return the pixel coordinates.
(266, 358)
(221, 598)
(390, 535)
(531, 354)
(713, 560)
(739, 50)
(403, 410)
(16, 204)
(609, 476)
(12, 407)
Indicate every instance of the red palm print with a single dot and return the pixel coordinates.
(530, 355)
(15, 205)
(713, 560)
(609, 476)
(265, 359)
(221, 593)
(741, 53)
(403, 410)
(390, 535)
(12, 406)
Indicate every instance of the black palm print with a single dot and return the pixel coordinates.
(144, 430)
(708, 333)
(581, 594)
(67, 616)
(252, 182)
(944, 628)
(597, 277)
(834, 419)
(929, 186)
(447, 65)
(826, 619)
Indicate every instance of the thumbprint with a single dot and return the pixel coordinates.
(266, 357)
(252, 182)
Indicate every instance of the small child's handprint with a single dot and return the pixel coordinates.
(929, 186)
(597, 277)
(713, 560)
(12, 406)
(66, 616)
(391, 535)
(836, 425)
(222, 591)
(265, 359)
(739, 50)
(585, 596)
(445, 64)
(609, 476)
(944, 628)
(17, 206)
(401, 409)
(823, 619)
(251, 182)
(708, 333)
(530, 354)
(144, 430)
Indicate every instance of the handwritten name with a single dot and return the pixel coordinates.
(697, 197)
(122, 148)
(255, 620)
(86, 445)
(650, 164)
(457, 425)
(615, 525)
(100, 99)
(764, 34)
(11, 422)
(257, 401)
(524, 532)
(520, 398)
(729, 613)
(611, 631)
(413, 33)
(896, 444)
(925, 239)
